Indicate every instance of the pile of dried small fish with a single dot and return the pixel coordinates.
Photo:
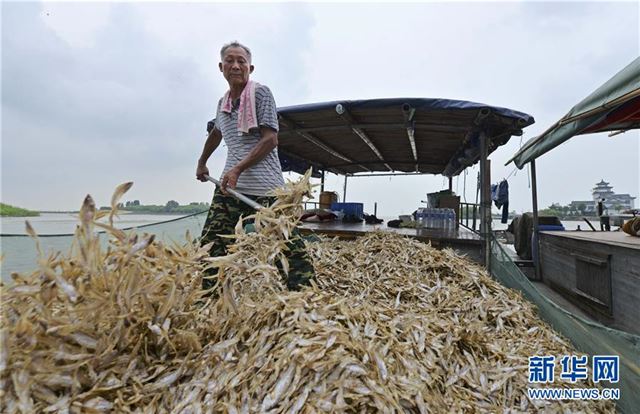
(99, 329)
(392, 325)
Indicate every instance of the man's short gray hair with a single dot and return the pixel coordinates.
(235, 43)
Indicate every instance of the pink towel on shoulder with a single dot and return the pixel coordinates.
(247, 118)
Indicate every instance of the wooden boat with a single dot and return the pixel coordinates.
(597, 271)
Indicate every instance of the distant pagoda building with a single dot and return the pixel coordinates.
(603, 190)
(612, 202)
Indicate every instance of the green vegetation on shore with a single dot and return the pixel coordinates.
(10, 211)
(569, 213)
(171, 207)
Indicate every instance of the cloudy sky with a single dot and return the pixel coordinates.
(95, 94)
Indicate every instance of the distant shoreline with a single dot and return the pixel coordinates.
(7, 210)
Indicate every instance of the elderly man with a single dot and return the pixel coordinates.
(247, 120)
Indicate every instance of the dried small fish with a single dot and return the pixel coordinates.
(24, 289)
(115, 198)
(165, 381)
(67, 288)
(389, 325)
(98, 404)
(273, 398)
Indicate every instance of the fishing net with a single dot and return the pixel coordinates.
(588, 337)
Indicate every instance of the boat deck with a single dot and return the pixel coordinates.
(462, 240)
(337, 228)
(613, 238)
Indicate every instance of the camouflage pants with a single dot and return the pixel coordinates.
(224, 213)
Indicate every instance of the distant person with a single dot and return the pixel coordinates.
(247, 120)
(601, 207)
(604, 219)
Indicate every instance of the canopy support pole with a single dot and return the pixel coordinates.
(450, 183)
(344, 192)
(485, 199)
(536, 238)
(322, 182)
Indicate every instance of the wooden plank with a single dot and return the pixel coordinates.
(615, 238)
(556, 263)
(593, 279)
(560, 258)
(625, 287)
(561, 301)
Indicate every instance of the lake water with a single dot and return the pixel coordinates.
(20, 254)
(55, 229)
(568, 224)
(65, 223)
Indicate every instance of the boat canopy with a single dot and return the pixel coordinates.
(614, 106)
(410, 135)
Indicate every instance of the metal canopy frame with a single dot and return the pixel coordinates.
(314, 140)
(346, 116)
(410, 125)
(420, 135)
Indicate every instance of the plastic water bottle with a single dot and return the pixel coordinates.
(450, 219)
(420, 217)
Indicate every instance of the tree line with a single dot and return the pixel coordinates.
(171, 206)
(580, 210)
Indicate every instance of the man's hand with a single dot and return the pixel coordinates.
(230, 179)
(201, 171)
(213, 140)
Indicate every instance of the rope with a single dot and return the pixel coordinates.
(103, 231)
(464, 186)
(515, 169)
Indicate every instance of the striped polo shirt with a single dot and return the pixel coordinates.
(265, 175)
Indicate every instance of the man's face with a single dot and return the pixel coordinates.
(236, 66)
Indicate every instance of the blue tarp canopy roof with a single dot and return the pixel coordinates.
(614, 106)
(421, 135)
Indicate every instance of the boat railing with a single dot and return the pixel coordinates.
(313, 204)
(470, 216)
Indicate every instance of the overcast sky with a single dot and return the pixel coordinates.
(95, 94)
